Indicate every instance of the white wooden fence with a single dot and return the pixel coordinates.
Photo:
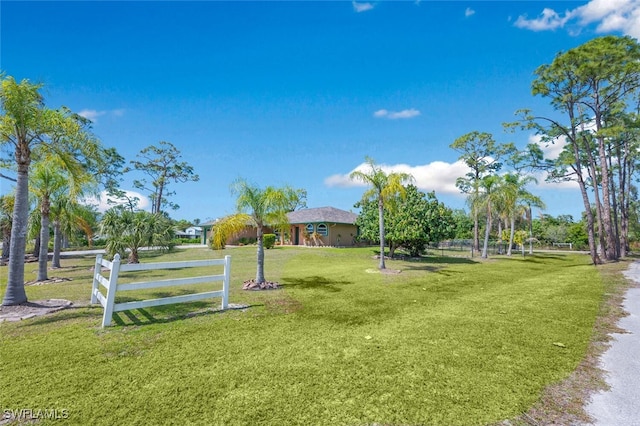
(112, 286)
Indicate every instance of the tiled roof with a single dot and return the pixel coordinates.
(322, 214)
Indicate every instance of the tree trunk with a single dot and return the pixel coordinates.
(614, 203)
(57, 245)
(6, 242)
(476, 231)
(36, 246)
(260, 255)
(500, 236)
(15, 293)
(610, 236)
(530, 231)
(487, 231)
(591, 168)
(511, 234)
(392, 249)
(381, 265)
(133, 256)
(43, 256)
(623, 205)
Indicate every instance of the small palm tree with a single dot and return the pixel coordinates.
(516, 199)
(131, 230)
(46, 182)
(256, 207)
(489, 197)
(384, 187)
(55, 177)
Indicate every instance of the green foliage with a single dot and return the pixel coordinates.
(269, 240)
(416, 220)
(129, 230)
(560, 229)
(245, 241)
(181, 224)
(463, 225)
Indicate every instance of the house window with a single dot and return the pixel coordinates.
(322, 229)
(309, 228)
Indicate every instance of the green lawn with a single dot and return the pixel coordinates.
(448, 341)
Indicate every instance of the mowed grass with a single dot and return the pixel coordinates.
(448, 341)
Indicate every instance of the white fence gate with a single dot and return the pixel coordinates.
(112, 286)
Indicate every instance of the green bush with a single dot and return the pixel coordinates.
(269, 240)
(245, 241)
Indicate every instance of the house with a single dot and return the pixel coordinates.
(193, 232)
(327, 226)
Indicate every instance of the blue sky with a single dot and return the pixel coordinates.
(300, 92)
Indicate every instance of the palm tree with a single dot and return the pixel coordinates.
(489, 197)
(56, 180)
(67, 217)
(516, 199)
(384, 187)
(131, 230)
(256, 207)
(32, 131)
(46, 183)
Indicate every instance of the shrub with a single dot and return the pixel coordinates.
(269, 240)
(245, 241)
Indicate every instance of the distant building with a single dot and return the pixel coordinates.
(192, 232)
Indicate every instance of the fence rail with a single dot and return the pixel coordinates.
(111, 284)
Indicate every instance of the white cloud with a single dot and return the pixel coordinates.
(92, 114)
(543, 185)
(610, 15)
(362, 7)
(550, 150)
(469, 12)
(548, 20)
(393, 115)
(437, 176)
(103, 205)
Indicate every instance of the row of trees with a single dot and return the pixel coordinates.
(595, 91)
(492, 196)
(57, 162)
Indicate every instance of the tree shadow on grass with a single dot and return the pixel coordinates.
(422, 267)
(542, 258)
(175, 312)
(69, 313)
(313, 283)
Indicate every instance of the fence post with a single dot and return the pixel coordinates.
(96, 284)
(225, 282)
(111, 291)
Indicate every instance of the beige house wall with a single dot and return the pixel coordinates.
(340, 235)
